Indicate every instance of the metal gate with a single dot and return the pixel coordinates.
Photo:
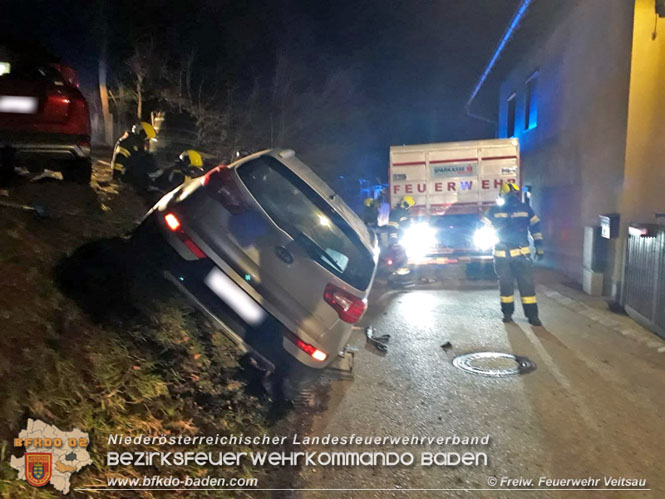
(644, 292)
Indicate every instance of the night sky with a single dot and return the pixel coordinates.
(408, 66)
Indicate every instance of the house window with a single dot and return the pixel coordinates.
(510, 128)
(531, 103)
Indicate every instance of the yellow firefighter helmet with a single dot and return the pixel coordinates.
(509, 188)
(407, 202)
(193, 157)
(146, 129)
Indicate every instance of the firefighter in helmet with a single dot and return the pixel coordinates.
(131, 162)
(189, 165)
(513, 220)
(399, 216)
(371, 212)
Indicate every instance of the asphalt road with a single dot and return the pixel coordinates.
(594, 407)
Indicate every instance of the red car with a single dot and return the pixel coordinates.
(44, 118)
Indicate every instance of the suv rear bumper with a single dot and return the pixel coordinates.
(49, 146)
(454, 257)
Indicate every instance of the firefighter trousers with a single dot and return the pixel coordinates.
(508, 270)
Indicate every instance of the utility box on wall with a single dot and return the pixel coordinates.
(595, 261)
(595, 249)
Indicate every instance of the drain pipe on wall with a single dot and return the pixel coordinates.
(507, 35)
(471, 114)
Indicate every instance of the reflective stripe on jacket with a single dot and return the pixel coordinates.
(125, 151)
(513, 222)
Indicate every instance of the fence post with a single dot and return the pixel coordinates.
(656, 285)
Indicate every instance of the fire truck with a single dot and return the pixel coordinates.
(453, 185)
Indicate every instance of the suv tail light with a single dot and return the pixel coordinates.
(310, 350)
(220, 185)
(174, 226)
(348, 307)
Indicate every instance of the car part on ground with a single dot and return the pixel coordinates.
(378, 342)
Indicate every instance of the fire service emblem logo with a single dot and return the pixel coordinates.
(51, 455)
(38, 468)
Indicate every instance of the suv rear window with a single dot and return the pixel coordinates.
(309, 219)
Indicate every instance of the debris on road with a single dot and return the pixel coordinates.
(379, 342)
(47, 174)
(447, 346)
(39, 210)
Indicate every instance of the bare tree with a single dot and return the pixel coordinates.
(138, 81)
(185, 91)
(310, 113)
(142, 65)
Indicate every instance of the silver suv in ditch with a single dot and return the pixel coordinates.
(272, 253)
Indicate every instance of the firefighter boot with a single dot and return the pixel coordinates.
(531, 310)
(507, 308)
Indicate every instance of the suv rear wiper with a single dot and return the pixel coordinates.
(312, 247)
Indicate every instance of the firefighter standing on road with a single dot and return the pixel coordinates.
(399, 218)
(130, 160)
(513, 220)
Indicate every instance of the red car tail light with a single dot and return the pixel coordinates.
(348, 307)
(174, 226)
(79, 116)
(68, 107)
(56, 107)
(219, 184)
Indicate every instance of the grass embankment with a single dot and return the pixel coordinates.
(77, 353)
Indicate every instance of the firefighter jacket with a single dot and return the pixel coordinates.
(167, 180)
(513, 222)
(371, 213)
(398, 217)
(127, 152)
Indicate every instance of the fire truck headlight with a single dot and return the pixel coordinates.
(485, 238)
(418, 240)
